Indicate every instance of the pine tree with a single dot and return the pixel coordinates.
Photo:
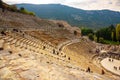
(1, 3)
(112, 35)
(2, 6)
(118, 32)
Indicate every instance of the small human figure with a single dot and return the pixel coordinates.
(88, 69)
(115, 67)
(112, 60)
(53, 51)
(68, 58)
(102, 72)
(43, 47)
(97, 51)
(20, 55)
(109, 59)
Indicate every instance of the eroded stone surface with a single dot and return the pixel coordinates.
(28, 68)
(47, 52)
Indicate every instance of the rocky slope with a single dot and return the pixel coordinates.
(49, 29)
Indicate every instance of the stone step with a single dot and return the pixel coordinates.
(13, 42)
(6, 37)
(33, 45)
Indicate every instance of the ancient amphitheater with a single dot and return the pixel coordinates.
(38, 49)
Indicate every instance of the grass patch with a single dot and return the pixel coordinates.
(111, 42)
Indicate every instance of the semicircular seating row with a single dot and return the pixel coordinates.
(33, 44)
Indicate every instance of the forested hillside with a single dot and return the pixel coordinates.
(77, 17)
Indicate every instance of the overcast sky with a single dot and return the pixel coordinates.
(82, 4)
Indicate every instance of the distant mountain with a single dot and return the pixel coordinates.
(76, 17)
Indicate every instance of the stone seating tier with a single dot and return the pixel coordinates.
(32, 45)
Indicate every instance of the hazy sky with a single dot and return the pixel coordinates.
(82, 4)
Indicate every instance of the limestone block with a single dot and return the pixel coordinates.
(7, 74)
(1, 43)
(6, 46)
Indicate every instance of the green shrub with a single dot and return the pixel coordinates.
(32, 13)
(101, 40)
(91, 36)
(86, 31)
(95, 38)
(24, 11)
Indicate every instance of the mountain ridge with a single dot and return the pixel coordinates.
(64, 5)
(75, 16)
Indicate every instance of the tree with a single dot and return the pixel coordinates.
(1, 3)
(107, 33)
(2, 6)
(111, 32)
(24, 11)
(118, 32)
(95, 38)
(22, 8)
(101, 40)
(91, 36)
(112, 36)
(98, 35)
(86, 31)
(13, 8)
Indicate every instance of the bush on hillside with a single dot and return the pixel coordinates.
(13, 8)
(32, 13)
(86, 31)
(24, 11)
